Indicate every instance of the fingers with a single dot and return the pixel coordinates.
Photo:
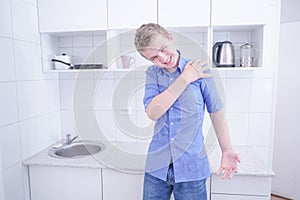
(226, 172)
(200, 67)
(238, 158)
(230, 175)
(219, 171)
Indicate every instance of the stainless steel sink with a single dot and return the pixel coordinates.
(76, 149)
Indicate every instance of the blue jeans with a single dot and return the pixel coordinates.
(157, 189)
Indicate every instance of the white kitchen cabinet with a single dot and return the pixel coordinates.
(176, 13)
(70, 15)
(130, 13)
(241, 187)
(121, 185)
(61, 183)
(238, 12)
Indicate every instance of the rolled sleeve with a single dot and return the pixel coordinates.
(210, 94)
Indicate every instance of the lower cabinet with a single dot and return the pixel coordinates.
(63, 183)
(127, 185)
(241, 188)
(121, 185)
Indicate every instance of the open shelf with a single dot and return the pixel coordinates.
(239, 35)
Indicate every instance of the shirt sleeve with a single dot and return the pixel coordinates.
(151, 86)
(210, 94)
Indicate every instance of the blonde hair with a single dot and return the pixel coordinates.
(146, 33)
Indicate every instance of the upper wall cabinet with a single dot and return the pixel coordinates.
(238, 12)
(130, 13)
(70, 15)
(176, 13)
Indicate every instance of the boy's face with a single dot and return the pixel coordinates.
(162, 52)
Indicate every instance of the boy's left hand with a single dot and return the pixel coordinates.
(228, 164)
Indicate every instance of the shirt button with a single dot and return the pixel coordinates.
(171, 108)
(172, 123)
(171, 79)
(172, 139)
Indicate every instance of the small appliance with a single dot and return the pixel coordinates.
(223, 54)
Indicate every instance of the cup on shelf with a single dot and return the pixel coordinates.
(127, 61)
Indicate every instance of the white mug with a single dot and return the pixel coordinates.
(127, 61)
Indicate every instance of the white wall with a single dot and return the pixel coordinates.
(286, 162)
(29, 99)
(1, 181)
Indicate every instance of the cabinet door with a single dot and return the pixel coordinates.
(238, 12)
(122, 185)
(130, 13)
(61, 183)
(177, 13)
(70, 15)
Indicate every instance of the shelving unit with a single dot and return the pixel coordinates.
(193, 42)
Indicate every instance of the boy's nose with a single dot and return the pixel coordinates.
(162, 57)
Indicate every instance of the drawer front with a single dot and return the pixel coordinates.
(245, 185)
(237, 197)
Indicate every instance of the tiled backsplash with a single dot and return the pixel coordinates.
(84, 49)
(247, 102)
(247, 95)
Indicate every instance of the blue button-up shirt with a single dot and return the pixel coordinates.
(178, 134)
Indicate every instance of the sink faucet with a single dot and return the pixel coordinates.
(69, 140)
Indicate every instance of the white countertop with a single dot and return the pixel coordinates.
(251, 164)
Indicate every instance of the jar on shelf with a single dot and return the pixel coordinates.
(248, 54)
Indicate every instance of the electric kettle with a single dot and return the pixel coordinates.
(223, 54)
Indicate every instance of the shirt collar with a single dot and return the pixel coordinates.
(182, 62)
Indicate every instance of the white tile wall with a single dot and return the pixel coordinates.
(82, 41)
(28, 136)
(84, 49)
(104, 94)
(23, 60)
(260, 129)
(68, 122)
(7, 60)
(26, 99)
(238, 125)
(20, 20)
(261, 95)
(106, 124)
(66, 93)
(238, 95)
(10, 145)
(30, 107)
(5, 19)
(1, 180)
(8, 104)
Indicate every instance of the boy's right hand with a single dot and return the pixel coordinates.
(194, 70)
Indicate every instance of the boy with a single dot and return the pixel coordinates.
(176, 93)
